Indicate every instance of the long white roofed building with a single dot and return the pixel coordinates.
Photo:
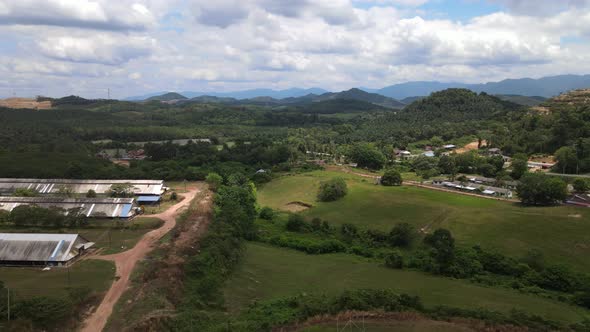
(24, 249)
(101, 187)
(89, 207)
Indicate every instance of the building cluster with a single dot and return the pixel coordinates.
(87, 198)
(476, 186)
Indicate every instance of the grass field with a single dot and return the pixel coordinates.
(561, 233)
(27, 282)
(269, 272)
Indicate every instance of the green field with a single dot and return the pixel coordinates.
(269, 272)
(561, 233)
(96, 275)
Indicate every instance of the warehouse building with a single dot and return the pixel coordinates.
(20, 249)
(101, 187)
(89, 207)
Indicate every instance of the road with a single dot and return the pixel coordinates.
(126, 261)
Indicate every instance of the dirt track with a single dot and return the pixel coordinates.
(125, 262)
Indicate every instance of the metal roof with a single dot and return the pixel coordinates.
(148, 198)
(36, 247)
(90, 207)
(52, 186)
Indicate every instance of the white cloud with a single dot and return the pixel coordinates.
(229, 45)
(100, 48)
(92, 14)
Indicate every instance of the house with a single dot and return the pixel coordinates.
(484, 190)
(89, 207)
(21, 249)
(494, 152)
(428, 154)
(540, 165)
(493, 182)
(404, 154)
(449, 147)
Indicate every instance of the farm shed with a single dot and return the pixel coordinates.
(20, 249)
(53, 186)
(148, 200)
(90, 207)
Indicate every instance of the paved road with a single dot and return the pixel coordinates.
(125, 262)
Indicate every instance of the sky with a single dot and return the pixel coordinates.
(133, 47)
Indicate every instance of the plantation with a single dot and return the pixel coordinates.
(562, 233)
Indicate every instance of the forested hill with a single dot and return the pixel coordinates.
(168, 97)
(459, 105)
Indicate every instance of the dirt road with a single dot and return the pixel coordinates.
(125, 262)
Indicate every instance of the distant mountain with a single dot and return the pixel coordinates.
(523, 100)
(544, 87)
(144, 97)
(168, 97)
(360, 95)
(410, 100)
(248, 94)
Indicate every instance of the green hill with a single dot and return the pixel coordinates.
(523, 100)
(168, 97)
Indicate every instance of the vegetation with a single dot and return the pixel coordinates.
(539, 189)
(332, 190)
(391, 177)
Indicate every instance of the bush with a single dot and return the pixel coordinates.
(581, 185)
(174, 196)
(391, 178)
(91, 193)
(266, 213)
(296, 223)
(332, 190)
(394, 260)
(402, 235)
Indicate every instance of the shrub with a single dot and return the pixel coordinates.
(296, 223)
(349, 230)
(394, 260)
(174, 196)
(391, 178)
(332, 190)
(581, 185)
(402, 235)
(266, 213)
(91, 193)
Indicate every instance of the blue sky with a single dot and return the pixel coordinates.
(84, 47)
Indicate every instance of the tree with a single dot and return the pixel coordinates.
(394, 260)
(391, 177)
(296, 223)
(443, 244)
(214, 181)
(332, 190)
(519, 166)
(266, 213)
(65, 191)
(402, 235)
(487, 170)
(174, 196)
(447, 165)
(581, 185)
(91, 193)
(567, 159)
(541, 189)
(367, 156)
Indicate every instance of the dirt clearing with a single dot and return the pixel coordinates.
(25, 103)
(470, 147)
(297, 206)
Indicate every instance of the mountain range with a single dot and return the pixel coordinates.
(390, 96)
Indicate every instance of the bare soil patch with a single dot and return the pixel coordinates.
(574, 215)
(297, 206)
(470, 147)
(25, 103)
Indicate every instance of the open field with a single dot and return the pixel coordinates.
(269, 272)
(96, 275)
(561, 233)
